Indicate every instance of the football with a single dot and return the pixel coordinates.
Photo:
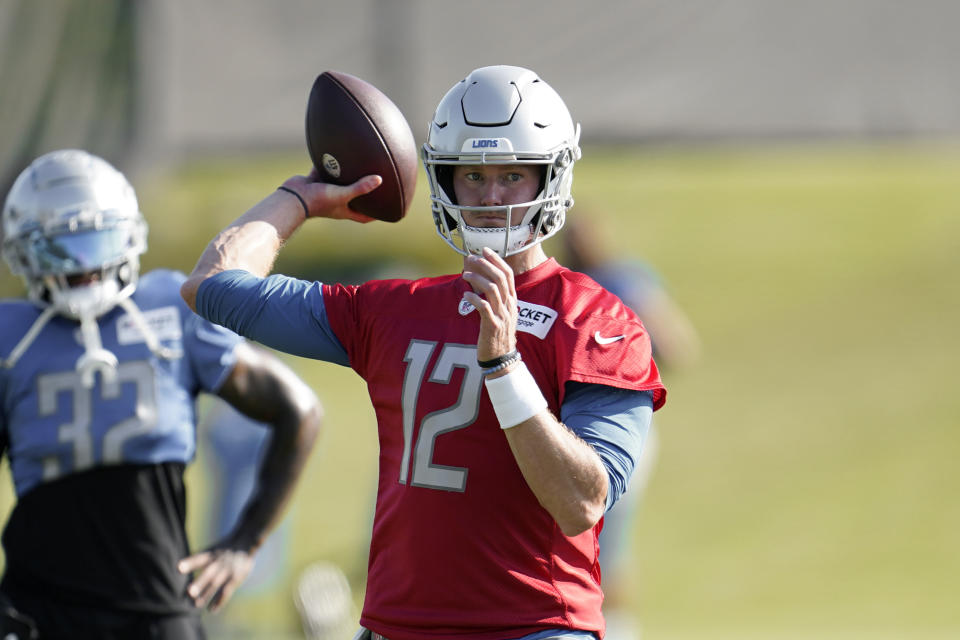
(355, 130)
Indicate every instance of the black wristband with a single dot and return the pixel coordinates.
(496, 362)
(303, 203)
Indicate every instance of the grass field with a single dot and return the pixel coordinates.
(807, 480)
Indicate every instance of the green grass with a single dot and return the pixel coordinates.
(807, 480)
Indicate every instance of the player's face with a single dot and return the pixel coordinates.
(493, 185)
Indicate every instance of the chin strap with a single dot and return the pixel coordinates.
(95, 358)
(28, 338)
(502, 240)
(165, 353)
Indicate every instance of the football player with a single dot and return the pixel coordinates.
(100, 369)
(512, 399)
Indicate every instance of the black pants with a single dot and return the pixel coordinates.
(57, 621)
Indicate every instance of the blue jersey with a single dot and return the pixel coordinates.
(55, 426)
(98, 470)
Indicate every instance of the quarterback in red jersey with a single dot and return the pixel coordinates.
(512, 399)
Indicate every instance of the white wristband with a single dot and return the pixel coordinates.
(515, 396)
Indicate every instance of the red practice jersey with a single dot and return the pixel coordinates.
(461, 547)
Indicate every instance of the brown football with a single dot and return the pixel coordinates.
(354, 130)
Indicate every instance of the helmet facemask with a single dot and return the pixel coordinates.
(80, 268)
(501, 116)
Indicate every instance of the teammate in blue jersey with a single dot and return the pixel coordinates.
(99, 370)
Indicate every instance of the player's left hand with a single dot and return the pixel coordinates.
(495, 297)
(219, 571)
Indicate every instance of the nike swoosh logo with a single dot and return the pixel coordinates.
(604, 340)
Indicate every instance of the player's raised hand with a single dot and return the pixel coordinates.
(219, 571)
(324, 200)
(495, 297)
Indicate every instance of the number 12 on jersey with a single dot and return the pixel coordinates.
(423, 472)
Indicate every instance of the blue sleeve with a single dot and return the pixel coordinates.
(615, 422)
(211, 350)
(280, 312)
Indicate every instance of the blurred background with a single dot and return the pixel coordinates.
(790, 170)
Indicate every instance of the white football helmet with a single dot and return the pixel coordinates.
(501, 115)
(73, 231)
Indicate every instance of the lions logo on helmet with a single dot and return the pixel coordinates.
(501, 115)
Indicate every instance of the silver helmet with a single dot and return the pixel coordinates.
(73, 231)
(501, 115)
